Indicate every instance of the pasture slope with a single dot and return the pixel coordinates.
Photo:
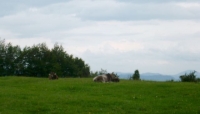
(83, 96)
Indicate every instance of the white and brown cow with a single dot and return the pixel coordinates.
(106, 78)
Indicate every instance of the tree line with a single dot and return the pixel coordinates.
(38, 61)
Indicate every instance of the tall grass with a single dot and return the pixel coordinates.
(81, 95)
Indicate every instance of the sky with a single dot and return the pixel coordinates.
(159, 36)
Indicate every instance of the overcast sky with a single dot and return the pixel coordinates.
(160, 36)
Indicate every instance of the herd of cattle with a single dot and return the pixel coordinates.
(101, 78)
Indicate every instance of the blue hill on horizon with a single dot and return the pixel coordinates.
(157, 76)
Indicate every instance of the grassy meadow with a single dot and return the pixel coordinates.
(27, 95)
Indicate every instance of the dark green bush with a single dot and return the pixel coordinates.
(191, 77)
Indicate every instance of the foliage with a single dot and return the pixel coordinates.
(96, 73)
(102, 71)
(81, 95)
(38, 60)
(136, 75)
(191, 77)
(93, 74)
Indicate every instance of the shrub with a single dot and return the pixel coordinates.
(191, 77)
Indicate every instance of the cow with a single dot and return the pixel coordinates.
(53, 76)
(116, 79)
(106, 78)
(101, 78)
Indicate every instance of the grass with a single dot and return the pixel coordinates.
(81, 95)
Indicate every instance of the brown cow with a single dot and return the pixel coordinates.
(116, 79)
(109, 77)
(53, 76)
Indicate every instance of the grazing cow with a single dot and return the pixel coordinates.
(109, 77)
(53, 76)
(101, 78)
(106, 78)
(116, 79)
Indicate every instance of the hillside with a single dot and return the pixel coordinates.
(27, 95)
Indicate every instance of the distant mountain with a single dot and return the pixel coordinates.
(147, 76)
(124, 75)
(186, 72)
(157, 76)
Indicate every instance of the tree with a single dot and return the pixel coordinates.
(38, 60)
(8, 58)
(2, 56)
(93, 74)
(136, 75)
(191, 77)
(102, 72)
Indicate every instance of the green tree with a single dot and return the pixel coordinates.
(32, 61)
(102, 72)
(9, 55)
(191, 77)
(39, 61)
(2, 56)
(59, 60)
(93, 74)
(136, 75)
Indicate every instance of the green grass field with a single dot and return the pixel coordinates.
(26, 95)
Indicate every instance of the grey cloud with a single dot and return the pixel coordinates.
(156, 1)
(125, 10)
(158, 60)
(128, 12)
(173, 54)
(36, 24)
(31, 2)
(8, 7)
